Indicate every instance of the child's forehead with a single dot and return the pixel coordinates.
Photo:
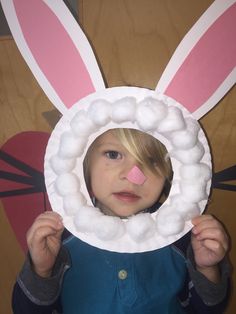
(107, 138)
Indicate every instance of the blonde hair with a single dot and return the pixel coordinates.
(147, 150)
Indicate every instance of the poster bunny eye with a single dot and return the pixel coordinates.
(74, 84)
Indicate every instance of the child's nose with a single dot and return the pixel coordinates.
(136, 176)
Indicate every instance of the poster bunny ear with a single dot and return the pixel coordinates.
(55, 48)
(203, 67)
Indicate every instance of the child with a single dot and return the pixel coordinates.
(78, 278)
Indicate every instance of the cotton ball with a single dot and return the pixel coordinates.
(72, 203)
(169, 222)
(140, 227)
(67, 183)
(149, 112)
(192, 125)
(187, 138)
(173, 122)
(183, 139)
(81, 125)
(193, 192)
(60, 165)
(124, 109)
(185, 209)
(71, 146)
(174, 185)
(86, 217)
(189, 156)
(108, 228)
(99, 112)
(195, 172)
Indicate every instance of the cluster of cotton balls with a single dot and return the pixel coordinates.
(150, 115)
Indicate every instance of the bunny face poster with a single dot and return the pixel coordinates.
(73, 80)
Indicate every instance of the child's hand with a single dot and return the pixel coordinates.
(210, 244)
(44, 241)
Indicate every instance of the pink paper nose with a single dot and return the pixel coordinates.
(136, 176)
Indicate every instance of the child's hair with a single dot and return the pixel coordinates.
(147, 150)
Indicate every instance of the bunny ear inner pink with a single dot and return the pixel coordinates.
(208, 72)
(55, 48)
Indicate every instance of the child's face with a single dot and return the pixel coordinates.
(109, 165)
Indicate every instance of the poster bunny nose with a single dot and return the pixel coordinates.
(136, 176)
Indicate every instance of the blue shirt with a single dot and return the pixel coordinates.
(101, 282)
(137, 283)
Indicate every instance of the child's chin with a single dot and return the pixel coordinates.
(120, 212)
(126, 214)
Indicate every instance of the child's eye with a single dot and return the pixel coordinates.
(112, 154)
(153, 162)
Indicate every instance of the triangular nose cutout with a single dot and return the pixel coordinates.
(136, 176)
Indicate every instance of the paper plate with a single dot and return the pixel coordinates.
(147, 111)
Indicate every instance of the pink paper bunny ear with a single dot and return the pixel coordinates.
(203, 67)
(55, 49)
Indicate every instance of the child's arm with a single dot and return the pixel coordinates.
(38, 285)
(205, 291)
(209, 269)
(35, 294)
(210, 244)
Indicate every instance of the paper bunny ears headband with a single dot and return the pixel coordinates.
(199, 74)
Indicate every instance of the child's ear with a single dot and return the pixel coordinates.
(203, 67)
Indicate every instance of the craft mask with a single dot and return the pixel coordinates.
(73, 83)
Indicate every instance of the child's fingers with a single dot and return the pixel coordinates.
(204, 222)
(47, 218)
(49, 215)
(201, 218)
(40, 234)
(205, 219)
(211, 233)
(52, 223)
(214, 246)
(215, 234)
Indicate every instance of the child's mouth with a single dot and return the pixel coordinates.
(127, 196)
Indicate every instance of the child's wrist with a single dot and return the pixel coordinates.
(212, 273)
(41, 272)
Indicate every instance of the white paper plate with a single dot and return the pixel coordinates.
(172, 220)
